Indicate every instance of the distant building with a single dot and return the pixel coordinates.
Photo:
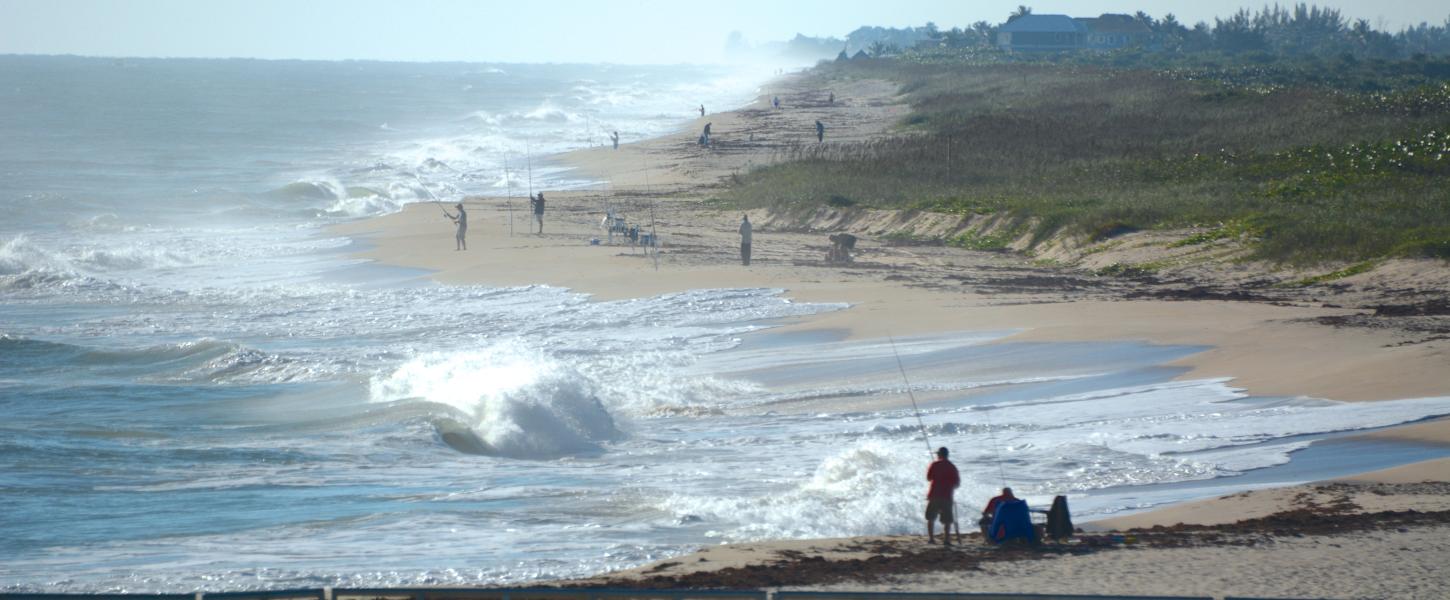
(1051, 33)
(1111, 31)
(1042, 33)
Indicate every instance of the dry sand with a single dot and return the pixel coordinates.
(1325, 343)
(1380, 536)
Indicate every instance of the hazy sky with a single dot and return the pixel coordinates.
(641, 31)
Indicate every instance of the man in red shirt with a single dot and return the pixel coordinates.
(944, 480)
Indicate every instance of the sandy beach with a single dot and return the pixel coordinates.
(1342, 343)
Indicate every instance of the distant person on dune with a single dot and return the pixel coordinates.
(462, 220)
(745, 230)
(832, 99)
(775, 101)
(537, 203)
(944, 481)
(820, 132)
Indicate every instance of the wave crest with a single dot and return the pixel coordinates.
(504, 402)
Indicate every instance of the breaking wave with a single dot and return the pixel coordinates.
(507, 402)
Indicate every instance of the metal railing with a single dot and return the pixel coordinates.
(545, 593)
(432, 593)
(963, 596)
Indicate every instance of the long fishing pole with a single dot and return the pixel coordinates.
(915, 409)
(509, 184)
(430, 195)
(996, 450)
(529, 161)
(654, 237)
(956, 520)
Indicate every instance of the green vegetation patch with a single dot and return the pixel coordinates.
(1307, 170)
(996, 241)
(1232, 230)
(1350, 271)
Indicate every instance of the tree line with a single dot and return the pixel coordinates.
(1300, 29)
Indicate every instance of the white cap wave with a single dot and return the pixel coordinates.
(504, 401)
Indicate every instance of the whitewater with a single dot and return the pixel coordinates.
(203, 389)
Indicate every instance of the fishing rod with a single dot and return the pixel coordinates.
(509, 184)
(915, 409)
(956, 520)
(654, 237)
(529, 161)
(430, 195)
(996, 450)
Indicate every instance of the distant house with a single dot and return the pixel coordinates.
(1060, 32)
(860, 54)
(1111, 31)
(1042, 33)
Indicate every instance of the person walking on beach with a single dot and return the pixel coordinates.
(615, 137)
(702, 110)
(820, 132)
(706, 136)
(538, 205)
(944, 481)
(775, 101)
(745, 240)
(462, 220)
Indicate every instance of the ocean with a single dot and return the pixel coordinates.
(203, 389)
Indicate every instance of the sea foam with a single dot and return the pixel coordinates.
(509, 402)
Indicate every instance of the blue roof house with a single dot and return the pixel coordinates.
(1042, 33)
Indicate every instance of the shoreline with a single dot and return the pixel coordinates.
(1266, 348)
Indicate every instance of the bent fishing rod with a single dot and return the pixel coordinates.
(430, 195)
(956, 518)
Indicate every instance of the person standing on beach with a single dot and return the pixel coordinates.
(775, 101)
(706, 135)
(615, 137)
(831, 101)
(702, 111)
(820, 132)
(462, 220)
(538, 205)
(944, 481)
(745, 240)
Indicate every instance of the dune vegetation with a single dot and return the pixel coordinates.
(1306, 160)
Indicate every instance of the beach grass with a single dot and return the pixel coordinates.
(1303, 169)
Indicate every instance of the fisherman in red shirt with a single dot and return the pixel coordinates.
(944, 480)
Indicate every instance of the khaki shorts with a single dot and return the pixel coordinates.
(939, 507)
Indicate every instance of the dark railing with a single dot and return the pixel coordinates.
(971, 596)
(444, 593)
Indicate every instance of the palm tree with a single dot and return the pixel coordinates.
(1022, 11)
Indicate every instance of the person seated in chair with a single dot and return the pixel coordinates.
(991, 510)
